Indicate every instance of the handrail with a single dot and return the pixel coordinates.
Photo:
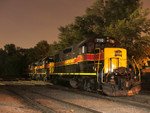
(137, 68)
(97, 67)
(102, 76)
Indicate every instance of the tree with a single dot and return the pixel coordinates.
(2, 60)
(132, 32)
(52, 50)
(10, 49)
(12, 60)
(41, 49)
(125, 20)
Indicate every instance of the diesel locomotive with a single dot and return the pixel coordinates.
(95, 64)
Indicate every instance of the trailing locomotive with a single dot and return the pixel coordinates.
(94, 64)
(41, 69)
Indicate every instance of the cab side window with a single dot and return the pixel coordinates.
(83, 49)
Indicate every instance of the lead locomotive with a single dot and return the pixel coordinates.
(93, 64)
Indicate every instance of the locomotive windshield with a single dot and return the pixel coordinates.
(100, 40)
(106, 42)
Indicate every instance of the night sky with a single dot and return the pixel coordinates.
(26, 22)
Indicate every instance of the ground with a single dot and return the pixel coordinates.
(28, 96)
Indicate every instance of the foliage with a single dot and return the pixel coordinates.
(51, 50)
(41, 49)
(11, 60)
(132, 32)
(14, 60)
(124, 20)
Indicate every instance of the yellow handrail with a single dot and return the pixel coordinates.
(138, 68)
(102, 76)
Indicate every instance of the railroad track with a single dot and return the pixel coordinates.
(32, 104)
(38, 106)
(84, 109)
(25, 91)
(137, 100)
(126, 100)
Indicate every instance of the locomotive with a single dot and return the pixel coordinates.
(94, 64)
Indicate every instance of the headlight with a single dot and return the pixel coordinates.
(135, 77)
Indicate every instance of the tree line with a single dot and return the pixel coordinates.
(125, 20)
(14, 60)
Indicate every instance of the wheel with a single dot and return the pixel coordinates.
(74, 83)
(45, 78)
(54, 80)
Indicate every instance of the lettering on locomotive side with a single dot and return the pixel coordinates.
(118, 53)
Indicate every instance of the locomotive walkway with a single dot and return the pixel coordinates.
(43, 97)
